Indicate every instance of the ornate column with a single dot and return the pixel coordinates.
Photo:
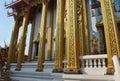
(71, 38)
(50, 32)
(86, 29)
(22, 40)
(11, 46)
(59, 41)
(41, 51)
(15, 43)
(111, 33)
(80, 23)
(31, 40)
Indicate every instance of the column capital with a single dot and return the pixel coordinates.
(16, 17)
(25, 11)
(45, 1)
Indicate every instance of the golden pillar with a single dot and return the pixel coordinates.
(50, 32)
(41, 50)
(80, 24)
(59, 40)
(73, 65)
(86, 29)
(111, 33)
(31, 40)
(12, 44)
(15, 43)
(22, 41)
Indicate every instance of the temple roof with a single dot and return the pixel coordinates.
(17, 4)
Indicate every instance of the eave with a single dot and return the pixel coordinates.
(17, 4)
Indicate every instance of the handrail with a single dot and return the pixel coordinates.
(116, 63)
(93, 56)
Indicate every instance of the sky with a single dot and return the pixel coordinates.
(6, 25)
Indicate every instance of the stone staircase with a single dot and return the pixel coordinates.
(28, 72)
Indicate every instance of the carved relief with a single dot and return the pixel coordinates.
(71, 34)
(72, 55)
(80, 23)
(111, 29)
(111, 33)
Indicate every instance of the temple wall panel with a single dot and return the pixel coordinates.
(37, 26)
(37, 23)
(47, 25)
(54, 27)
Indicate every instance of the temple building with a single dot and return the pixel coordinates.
(70, 40)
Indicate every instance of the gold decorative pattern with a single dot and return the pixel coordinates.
(80, 23)
(71, 39)
(111, 33)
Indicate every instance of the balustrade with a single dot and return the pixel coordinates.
(90, 64)
(116, 62)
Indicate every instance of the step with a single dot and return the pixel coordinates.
(83, 77)
(28, 72)
(36, 76)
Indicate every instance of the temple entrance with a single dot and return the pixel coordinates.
(102, 39)
(36, 50)
(36, 46)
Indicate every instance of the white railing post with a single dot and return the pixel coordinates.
(117, 67)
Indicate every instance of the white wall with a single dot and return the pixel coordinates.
(54, 28)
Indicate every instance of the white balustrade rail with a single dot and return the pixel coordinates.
(116, 63)
(94, 64)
